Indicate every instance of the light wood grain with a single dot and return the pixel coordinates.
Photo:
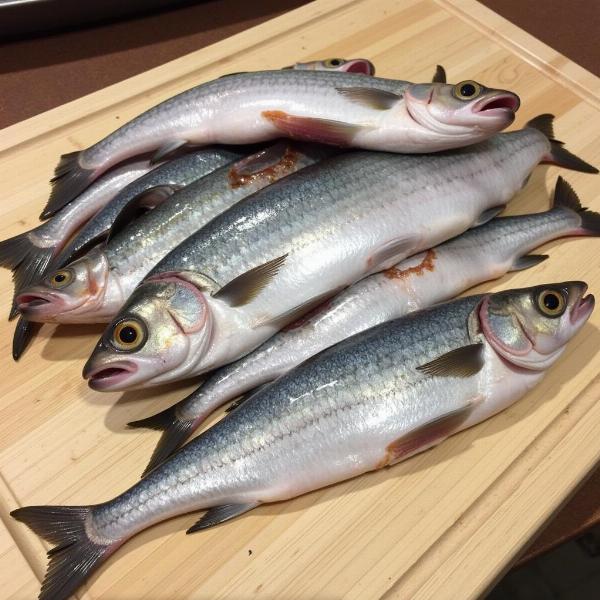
(442, 525)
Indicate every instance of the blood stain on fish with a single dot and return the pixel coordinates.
(427, 264)
(271, 173)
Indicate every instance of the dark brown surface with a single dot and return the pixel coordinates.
(40, 73)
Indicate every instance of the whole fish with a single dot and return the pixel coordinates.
(345, 109)
(352, 65)
(93, 288)
(482, 253)
(29, 254)
(285, 249)
(374, 399)
(54, 243)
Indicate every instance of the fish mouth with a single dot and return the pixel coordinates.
(109, 377)
(502, 104)
(38, 304)
(582, 309)
(360, 65)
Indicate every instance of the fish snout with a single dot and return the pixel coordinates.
(106, 376)
(37, 305)
(500, 106)
(582, 305)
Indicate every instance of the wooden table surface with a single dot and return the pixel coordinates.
(444, 524)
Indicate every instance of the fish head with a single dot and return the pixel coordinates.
(467, 108)
(161, 332)
(530, 327)
(352, 65)
(71, 294)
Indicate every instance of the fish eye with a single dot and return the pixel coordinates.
(552, 303)
(61, 278)
(129, 334)
(333, 62)
(466, 90)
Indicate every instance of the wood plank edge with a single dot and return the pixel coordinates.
(518, 476)
(112, 96)
(581, 82)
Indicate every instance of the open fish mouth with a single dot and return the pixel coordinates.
(38, 304)
(110, 376)
(582, 310)
(499, 104)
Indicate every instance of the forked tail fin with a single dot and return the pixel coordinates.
(70, 179)
(74, 557)
(558, 154)
(175, 432)
(27, 261)
(565, 197)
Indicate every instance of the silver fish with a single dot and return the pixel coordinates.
(352, 65)
(285, 249)
(346, 109)
(93, 288)
(480, 254)
(29, 254)
(84, 222)
(373, 400)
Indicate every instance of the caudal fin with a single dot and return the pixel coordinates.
(70, 179)
(565, 197)
(175, 432)
(27, 261)
(558, 154)
(74, 557)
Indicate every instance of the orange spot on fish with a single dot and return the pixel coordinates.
(427, 264)
(271, 173)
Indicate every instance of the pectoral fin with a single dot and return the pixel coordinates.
(247, 286)
(461, 362)
(312, 129)
(219, 514)
(439, 75)
(528, 261)
(427, 435)
(370, 97)
(166, 150)
(139, 205)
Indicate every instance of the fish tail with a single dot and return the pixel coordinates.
(70, 179)
(25, 331)
(74, 556)
(175, 432)
(27, 261)
(558, 154)
(565, 197)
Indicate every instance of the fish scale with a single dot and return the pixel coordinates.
(301, 408)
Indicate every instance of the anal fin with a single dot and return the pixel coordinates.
(488, 215)
(219, 514)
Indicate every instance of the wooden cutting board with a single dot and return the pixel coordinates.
(444, 524)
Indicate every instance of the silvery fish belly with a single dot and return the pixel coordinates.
(368, 402)
(284, 250)
(93, 288)
(482, 253)
(338, 108)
